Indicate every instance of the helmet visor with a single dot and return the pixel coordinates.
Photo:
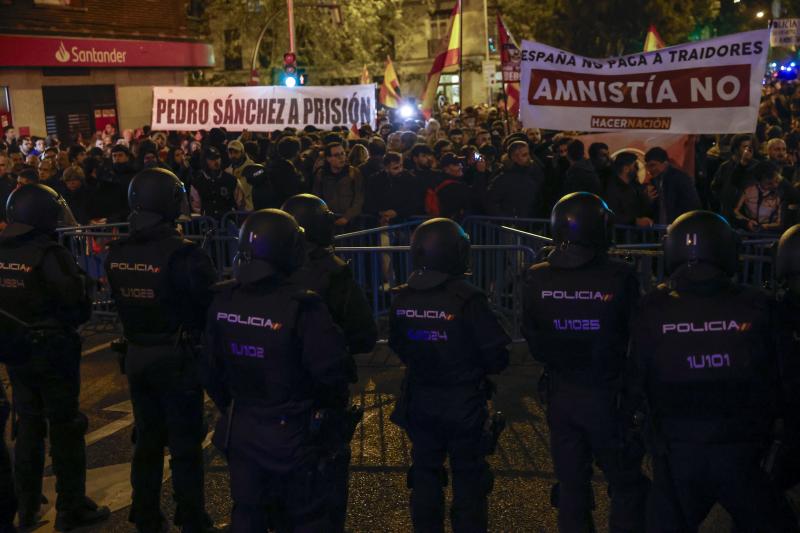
(65, 217)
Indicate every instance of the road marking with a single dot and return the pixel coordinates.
(95, 349)
(107, 485)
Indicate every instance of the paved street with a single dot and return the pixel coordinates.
(524, 473)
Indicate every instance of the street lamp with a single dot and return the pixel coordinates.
(760, 15)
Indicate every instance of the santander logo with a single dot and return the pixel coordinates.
(89, 55)
(62, 56)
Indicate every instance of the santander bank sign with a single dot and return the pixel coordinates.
(35, 51)
(92, 55)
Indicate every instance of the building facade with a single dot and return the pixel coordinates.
(413, 53)
(70, 67)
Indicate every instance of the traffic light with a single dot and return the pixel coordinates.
(289, 77)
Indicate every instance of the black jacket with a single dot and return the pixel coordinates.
(404, 193)
(628, 201)
(516, 192)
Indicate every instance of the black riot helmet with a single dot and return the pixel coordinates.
(38, 207)
(787, 256)
(314, 216)
(701, 237)
(440, 245)
(157, 190)
(272, 237)
(584, 219)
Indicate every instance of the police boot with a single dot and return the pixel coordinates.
(85, 514)
(30, 513)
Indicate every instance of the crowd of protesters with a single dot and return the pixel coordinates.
(458, 164)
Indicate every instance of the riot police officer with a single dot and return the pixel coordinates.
(576, 307)
(330, 277)
(44, 297)
(703, 364)
(442, 328)
(784, 465)
(276, 361)
(8, 499)
(161, 285)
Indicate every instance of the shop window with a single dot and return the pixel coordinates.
(233, 50)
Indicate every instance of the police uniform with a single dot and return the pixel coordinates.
(576, 322)
(275, 359)
(782, 464)
(161, 283)
(8, 499)
(330, 276)
(43, 287)
(703, 360)
(443, 330)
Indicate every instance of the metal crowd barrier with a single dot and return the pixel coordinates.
(502, 249)
(496, 269)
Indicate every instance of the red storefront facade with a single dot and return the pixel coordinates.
(68, 83)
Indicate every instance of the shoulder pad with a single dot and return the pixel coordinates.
(305, 296)
(227, 285)
(464, 289)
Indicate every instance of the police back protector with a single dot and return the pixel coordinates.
(22, 290)
(138, 272)
(712, 367)
(577, 318)
(257, 342)
(441, 350)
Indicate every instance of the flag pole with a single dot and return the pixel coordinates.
(460, 56)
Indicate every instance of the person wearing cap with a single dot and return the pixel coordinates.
(122, 167)
(452, 193)
(239, 162)
(214, 191)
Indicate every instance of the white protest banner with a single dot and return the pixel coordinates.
(262, 108)
(711, 86)
(784, 32)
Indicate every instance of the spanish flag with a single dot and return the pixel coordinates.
(448, 58)
(508, 47)
(653, 40)
(389, 95)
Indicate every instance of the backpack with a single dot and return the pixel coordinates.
(432, 198)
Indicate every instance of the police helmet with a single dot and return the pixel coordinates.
(440, 245)
(314, 216)
(40, 207)
(157, 190)
(701, 237)
(584, 219)
(787, 257)
(274, 237)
